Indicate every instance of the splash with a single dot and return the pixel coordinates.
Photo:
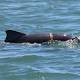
(64, 44)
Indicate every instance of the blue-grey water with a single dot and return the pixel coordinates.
(49, 61)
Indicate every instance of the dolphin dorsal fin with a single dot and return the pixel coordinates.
(13, 36)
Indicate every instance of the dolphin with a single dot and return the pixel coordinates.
(18, 37)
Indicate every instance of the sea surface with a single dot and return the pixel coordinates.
(53, 60)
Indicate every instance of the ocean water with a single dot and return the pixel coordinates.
(48, 61)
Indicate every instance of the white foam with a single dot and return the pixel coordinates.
(78, 37)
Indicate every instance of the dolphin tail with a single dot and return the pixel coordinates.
(13, 36)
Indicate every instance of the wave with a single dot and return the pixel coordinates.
(54, 74)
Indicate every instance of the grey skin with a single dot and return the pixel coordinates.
(18, 37)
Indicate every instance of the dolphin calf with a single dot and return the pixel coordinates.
(18, 37)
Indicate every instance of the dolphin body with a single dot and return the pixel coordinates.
(18, 37)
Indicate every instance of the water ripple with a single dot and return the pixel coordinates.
(53, 60)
